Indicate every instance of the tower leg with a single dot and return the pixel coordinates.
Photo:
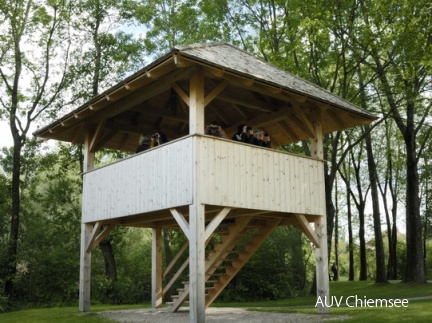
(197, 263)
(157, 267)
(322, 274)
(85, 269)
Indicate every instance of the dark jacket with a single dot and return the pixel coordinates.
(242, 137)
(262, 143)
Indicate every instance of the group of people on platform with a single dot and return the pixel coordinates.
(146, 141)
(244, 134)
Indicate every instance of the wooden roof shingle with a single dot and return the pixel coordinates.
(248, 90)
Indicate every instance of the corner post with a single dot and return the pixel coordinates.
(157, 295)
(86, 229)
(321, 254)
(197, 209)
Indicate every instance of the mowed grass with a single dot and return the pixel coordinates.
(419, 307)
(418, 310)
(63, 314)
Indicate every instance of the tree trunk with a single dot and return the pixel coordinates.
(336, 236)
(392, 273)
(414, 270)
(330, 209)
(379, 246)
(12, 249)
(350, 239)
(109, 260)
(363, 260)
(414, 262)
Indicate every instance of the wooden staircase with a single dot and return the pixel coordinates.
(231, 246)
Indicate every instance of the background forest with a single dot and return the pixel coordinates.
(56, 54)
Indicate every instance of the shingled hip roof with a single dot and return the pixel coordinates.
(251, 91)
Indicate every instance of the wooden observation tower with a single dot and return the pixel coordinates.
(203, 185)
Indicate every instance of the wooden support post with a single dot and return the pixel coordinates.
(322, 274)
(157, 295)
(89, 155)
(196, 103)
(86, 234)
(197, 263)
(321, 253)
(197, 209)
(85, 268)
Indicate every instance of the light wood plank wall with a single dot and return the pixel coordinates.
(233, 175)
(157, 179)
(240, 175)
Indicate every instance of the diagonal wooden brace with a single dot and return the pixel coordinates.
(216, 221)
(97, 236)
(184, 225)
(307, 229)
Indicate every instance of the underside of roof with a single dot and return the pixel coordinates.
(239, 89)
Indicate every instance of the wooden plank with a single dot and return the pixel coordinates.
(127, 186)
(85, 269)
(215, 92)
(184, 225)
(162, 69)
(214, 223)
(196, 104)
(152, 89)
(196, 209)
(157, 295)
(96, 136)
(175, 259)
(181, 93)
(321, 253)
(97, 236)
(307, 230)
(255, 105)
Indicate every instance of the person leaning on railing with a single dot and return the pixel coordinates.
(143, 144)
(244, 134)
(262, 139)
(215, 130)
(146, 142)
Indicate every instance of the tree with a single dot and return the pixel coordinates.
(379, 247)
(48, 257)
(405, 75)
(169, 23)
(109, 55)
(33, 64)
(390, 189)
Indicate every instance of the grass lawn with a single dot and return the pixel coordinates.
(417, 310)
(63, 314)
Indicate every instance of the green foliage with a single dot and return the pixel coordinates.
(132, 248)
(278, 269)
(48, 262)
(325, 42)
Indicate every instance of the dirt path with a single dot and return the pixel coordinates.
(213, 314)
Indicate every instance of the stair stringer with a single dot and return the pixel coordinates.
(238, 263)
(221, 249)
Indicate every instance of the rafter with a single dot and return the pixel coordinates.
(215, 92)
